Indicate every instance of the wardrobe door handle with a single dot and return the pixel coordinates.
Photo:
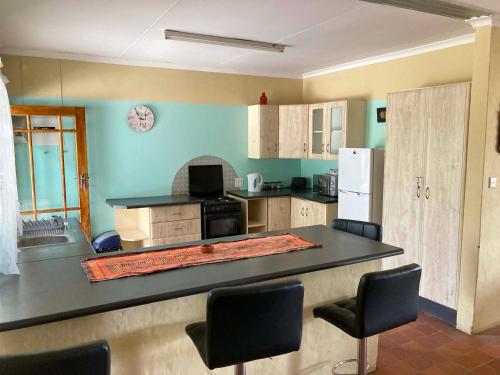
(418, 191)
(322, 148)
(327, 147)
(427, 192)
(307, 211)
(302, 211)
(305, 147)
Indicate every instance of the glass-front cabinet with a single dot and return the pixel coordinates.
(327, 129)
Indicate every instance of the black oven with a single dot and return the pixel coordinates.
(221, 224)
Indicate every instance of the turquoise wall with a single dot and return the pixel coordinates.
(124, 163)
(375, 138)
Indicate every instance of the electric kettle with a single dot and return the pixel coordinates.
(255, 182)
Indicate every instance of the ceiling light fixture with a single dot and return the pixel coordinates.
(223, 41)
(438, 7)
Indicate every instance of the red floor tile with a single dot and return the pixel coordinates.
(432, 347)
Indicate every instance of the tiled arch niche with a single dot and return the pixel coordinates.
(180, 184)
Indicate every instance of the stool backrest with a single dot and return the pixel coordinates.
(253, 322)
(88, 359)
(359, 228)
(387, 299)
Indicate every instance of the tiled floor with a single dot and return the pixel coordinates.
(432, 347)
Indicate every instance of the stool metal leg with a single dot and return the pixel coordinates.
(362, 356)
(240, 369)
(362, 360)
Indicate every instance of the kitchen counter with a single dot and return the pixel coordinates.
(164, 200)
(303, 194)
(54, 289)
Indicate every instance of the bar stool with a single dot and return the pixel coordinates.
(249, 323)
(87, 359)
(360, 228)
(385, 300)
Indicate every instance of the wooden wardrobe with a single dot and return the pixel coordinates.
(424, 179)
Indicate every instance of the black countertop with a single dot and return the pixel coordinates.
(164, 200)
(303, 194)
(54, 289)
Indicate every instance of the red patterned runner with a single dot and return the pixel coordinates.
(132, 264)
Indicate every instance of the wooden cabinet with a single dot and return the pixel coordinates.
(155, 226)
(424, 176)
(334, 125)
(293, 131)
(278, 213)
(263, 130)
(306, 213)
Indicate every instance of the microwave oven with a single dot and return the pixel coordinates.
(326, 184)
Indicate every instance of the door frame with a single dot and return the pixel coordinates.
(81, 155)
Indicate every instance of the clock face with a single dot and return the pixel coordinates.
(141, 118)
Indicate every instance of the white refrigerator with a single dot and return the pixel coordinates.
(361, 176)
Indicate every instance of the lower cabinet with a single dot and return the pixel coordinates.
(278, 213)
(305, 213)
(156, 226)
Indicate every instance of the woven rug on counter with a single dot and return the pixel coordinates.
(143, 263)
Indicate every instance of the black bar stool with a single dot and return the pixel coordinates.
(360, 228)
(87, 359)
(248, 323)
(385, 300)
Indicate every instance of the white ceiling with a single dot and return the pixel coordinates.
(319, 33)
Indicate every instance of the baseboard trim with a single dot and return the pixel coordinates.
(437, 310)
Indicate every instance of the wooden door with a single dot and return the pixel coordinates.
(263, 128)
(51, 162)
(315, 213)
(317, 125)
(293, 131)
(297, 213)
(444, 191)
(278, 213)
(403, 175)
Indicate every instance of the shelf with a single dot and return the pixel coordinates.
(254, 224)
(132, 235)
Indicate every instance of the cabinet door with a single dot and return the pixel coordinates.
(403, 175)
(263, 131)
(293, 131)
(335, 129)
(315, 213)
(297, 213)
(278, 213)
(447, 109)
(317, 125)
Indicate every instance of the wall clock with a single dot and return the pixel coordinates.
(141, 118)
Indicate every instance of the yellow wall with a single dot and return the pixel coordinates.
(487, 307)
(32, 76)
(374, 81)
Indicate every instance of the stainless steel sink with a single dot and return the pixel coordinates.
(42, 241)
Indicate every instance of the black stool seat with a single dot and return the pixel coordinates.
(248, 323)
(87, 359)
(359, 228)
(341, 314)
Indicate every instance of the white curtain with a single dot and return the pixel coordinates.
(9, 211)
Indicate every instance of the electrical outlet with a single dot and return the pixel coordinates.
(238, 182)
(493, 182)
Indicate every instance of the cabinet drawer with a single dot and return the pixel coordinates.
(175, 228)
(178, 239)
(173, 213)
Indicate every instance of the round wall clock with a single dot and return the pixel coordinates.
(141, 118)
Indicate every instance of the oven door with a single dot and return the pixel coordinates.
(221, 225)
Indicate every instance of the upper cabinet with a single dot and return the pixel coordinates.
(334, 125)
(263, 128)
(314, 131)
(293, 131)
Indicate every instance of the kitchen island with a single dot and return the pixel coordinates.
(51, 304)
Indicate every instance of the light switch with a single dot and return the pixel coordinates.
(493, 182)
(238, 182)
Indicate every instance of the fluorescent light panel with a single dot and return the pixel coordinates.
(223, 41)
(438, 7)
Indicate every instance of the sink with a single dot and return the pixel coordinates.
(42, 241)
